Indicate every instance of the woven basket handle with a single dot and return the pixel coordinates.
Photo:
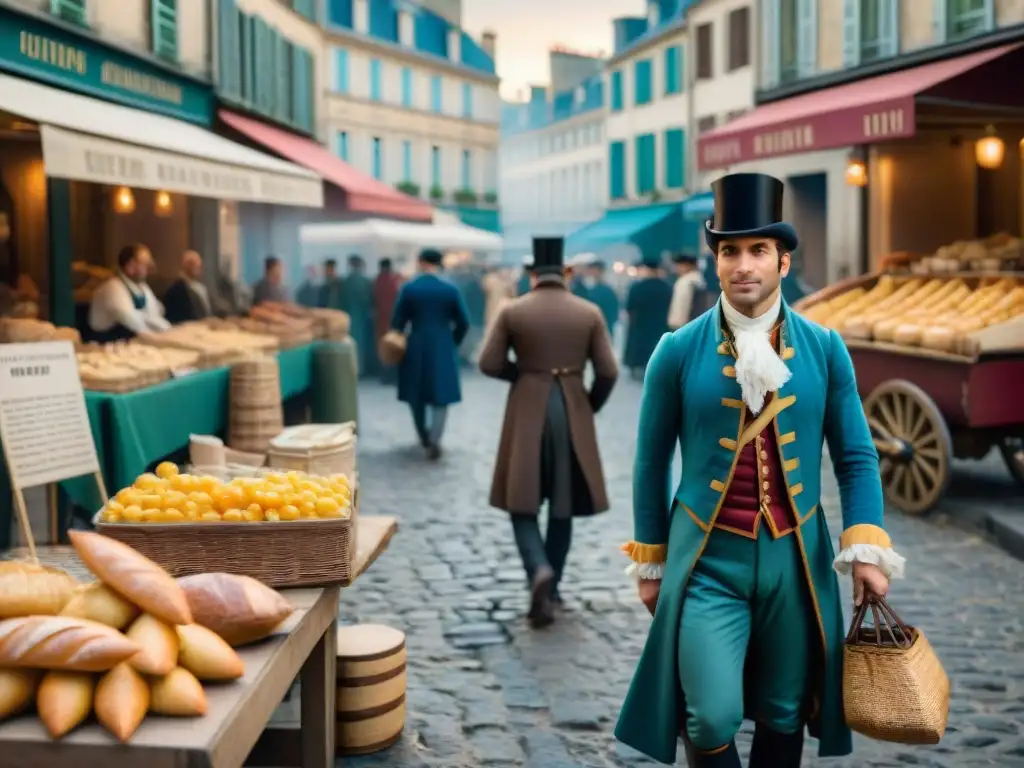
(884, 617)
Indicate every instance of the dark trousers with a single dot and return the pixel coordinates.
(429, 421)
(537, 551)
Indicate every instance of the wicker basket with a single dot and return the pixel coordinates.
(317, 449)
(303, 553)
(894, 686)
(371, 685)
(256, 415)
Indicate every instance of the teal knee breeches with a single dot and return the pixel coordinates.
(746, 600)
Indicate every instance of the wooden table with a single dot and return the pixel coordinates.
(239, 712)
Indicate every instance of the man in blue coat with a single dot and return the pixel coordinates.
(739, 569)
(432, 313)
(602, 294)
(647, 305)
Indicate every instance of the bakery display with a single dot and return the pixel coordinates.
(16, 330)
(171, 496)
(126, 366)
(72, 665)
(216, 346)
(42, 592)
(1001, 252)
(939, 313)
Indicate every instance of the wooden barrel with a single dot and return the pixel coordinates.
(371, 688)
(255, 382)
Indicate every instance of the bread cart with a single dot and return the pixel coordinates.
(940, 372)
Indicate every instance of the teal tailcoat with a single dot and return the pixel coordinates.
(691, 396)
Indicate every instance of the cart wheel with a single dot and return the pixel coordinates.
(914, 445)
(1012, 449)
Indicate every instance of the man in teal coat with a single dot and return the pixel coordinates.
(647, 305)
(603, 295)
(355, 296)
(739, 569)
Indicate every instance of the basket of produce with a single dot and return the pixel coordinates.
(317, 449)
(286, 530)
(131, 645)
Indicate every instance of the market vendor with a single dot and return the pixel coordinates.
(271, 289)
(188, 298)
(124, 306)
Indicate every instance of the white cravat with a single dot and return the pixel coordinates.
(759, 369)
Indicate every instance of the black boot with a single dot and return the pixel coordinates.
(772, 749)
(727, 757)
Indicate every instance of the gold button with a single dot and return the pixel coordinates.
(764, 454)
(764, 471)
(765, 485)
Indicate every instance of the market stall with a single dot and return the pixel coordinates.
(939, 356)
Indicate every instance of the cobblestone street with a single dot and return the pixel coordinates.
(485, 690)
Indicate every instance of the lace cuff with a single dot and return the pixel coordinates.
(648, 559)
(886, 558)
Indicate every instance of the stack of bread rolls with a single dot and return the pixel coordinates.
(133, 643)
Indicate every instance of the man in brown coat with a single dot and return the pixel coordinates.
(548, 446)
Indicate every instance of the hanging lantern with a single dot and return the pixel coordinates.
(124, 200)
(989, 151)
(856, 172)
(162, 204)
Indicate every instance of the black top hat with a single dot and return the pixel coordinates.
(548, 254)
(684, 257)
(748, 205)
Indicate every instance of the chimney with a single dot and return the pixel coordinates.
(406, 28)
(488, 40)
(361, 16)
(455, 44)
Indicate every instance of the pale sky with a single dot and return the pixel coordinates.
(527, 29)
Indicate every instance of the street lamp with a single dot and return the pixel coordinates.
(989, 151)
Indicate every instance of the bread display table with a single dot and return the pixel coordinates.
(238, 713)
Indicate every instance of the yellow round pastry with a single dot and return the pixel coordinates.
(289, 512)
(326, 506)
(151, 501)
(174, 499)
(172, 515)
(166, 469)
(148, 481)
(209, 517)
(132, 514)
(233, 516)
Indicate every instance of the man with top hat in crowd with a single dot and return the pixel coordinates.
(687, 282)
(647, 306)
(739, 570)
(548, 447)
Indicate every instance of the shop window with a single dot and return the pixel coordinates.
(673, 70)
(642, 82)
(375, 79)
(164, 27)
(706, 123)
(617, 170)
(378, 159)
(616, 82)
(341, 70)
(739, 39)
(966, 18)
(407, 87)
(74, 11)
(705, 52)
(675, 158)
(436, 102)
(646, 168)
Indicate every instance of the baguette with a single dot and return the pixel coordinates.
(97, 602)
(28, 593)
(207, 656)
(64, 701)
(159, 644)
(58, 642)
(178, 694)
(133, 576)
(17, 688)
(122, 700)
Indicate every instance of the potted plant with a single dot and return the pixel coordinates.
(410, 188)
(491, 198)
(436, 193)
(465, 197)
(654, 196)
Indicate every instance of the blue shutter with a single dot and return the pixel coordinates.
(378, 159)
(645, 163)
(889, 27)
(807, 37)
(435, 166)
(164, 26)
(617, 90)
(683, 84)
(406, 87)
(616, 170)
(673, 79)
(303, 108)
(940, 24)
(343, 145)
(70, 10)
(642, 82)
(375, 76)
(851, 32)
(407, 160)
(990, 15)
(771, 65)
(341, 76)
(467, 170)
(675, 158)
(436, 102)
(467, 100)
(229, 50)
(248, 24)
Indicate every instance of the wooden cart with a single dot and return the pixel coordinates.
(925, 407)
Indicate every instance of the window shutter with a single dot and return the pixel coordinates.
(70, 10)
(770, 35)
(939, 22)
(248, 29)
(851, 32)
(302, 90)
(616, 170)
(283, 102)
(229, 49)
(807, 37)
(675, 158)
(889, 27)
(990, 15)
(164, 28)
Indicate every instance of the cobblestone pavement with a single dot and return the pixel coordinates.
(485, 690)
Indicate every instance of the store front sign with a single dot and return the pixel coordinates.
(865, 124)
(79, 157)
(29, 46)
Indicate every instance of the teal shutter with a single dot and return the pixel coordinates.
(302, 91)
(229, 51)
(306, 8)
(406, 87)
(851, 32)
(807, 37)
(940, 24)
(435, 166)
(644, 147)
(467, 170)
(248, 27)
(467, 101)
(888, 28)
(642, 82)
(990, 15)
(616, 83)
(341, 70)
(343, 145)
(282, 98)
(770, 39)
(673, 73)
(70, 10)
(407, 161)
(436, 100)
(617, 170)
(164, 27)
(265, 81)
(675, 158)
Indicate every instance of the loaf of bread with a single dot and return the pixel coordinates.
(98, 602)
(17, 688)
(159, 644)
(34, 593)
(57, 642)
(178, 694)
(64, 701)
(238, 608)
(122, 700)
(133, 576)
(940, 338)
(207, 656)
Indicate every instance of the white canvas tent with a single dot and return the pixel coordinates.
(381, 235)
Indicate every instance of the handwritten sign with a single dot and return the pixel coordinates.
(43, 421)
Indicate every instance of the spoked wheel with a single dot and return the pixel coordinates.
(914, 445)
(1012, 449)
